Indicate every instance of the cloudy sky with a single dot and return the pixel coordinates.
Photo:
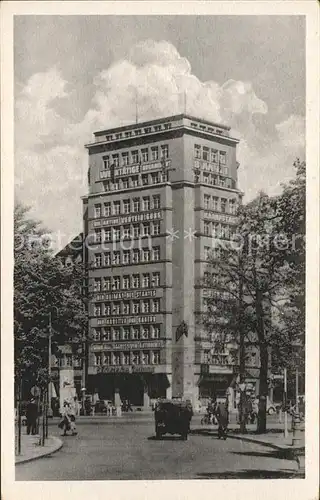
(77, 74)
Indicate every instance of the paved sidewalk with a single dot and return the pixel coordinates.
(31, 450)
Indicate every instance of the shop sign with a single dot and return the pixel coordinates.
(228, 219)
(135, 169)
(128, 219)
(125, 369)
(131, 320)
(136, 294)
(126, 346)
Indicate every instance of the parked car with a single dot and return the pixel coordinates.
(173, 417)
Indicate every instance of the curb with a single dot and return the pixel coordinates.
(267, 443)
(57, 446)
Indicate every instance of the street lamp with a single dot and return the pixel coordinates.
(49, 361)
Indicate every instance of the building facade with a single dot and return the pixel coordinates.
(158, 193)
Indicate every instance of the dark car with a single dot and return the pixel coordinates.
(173, 417)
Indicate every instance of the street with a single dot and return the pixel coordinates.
(126, 449)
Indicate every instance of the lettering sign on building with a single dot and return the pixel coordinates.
(125, 369)
(131, 320)
(127, 219)
(126, 346)
(230, 219)
(135, 169)
(135, 294)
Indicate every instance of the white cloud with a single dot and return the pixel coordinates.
(51, 162)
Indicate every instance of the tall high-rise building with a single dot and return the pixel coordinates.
(158, 193)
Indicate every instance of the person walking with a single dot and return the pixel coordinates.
(31, 415)
(69, 419)
(222, 414)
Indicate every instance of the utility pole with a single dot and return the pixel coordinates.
(285, 403)
(242, 356)
(49, 363)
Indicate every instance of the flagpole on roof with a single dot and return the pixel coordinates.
(185, 102)
(136, 98)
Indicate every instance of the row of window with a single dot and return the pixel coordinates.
(217, 230)
(127, 358)
(209, 154)
(127, 206)
(208, 129)
(138, 131)
(135, 256)
(213, 180)
(136, 156)
(136, 332)
(135, 181)
(127, 232)
(220, 204)
(126, 307)
(126, 282)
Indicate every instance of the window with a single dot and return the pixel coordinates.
(206, 227)
(138, 131)
(116, 358)
(135, 156)
(145, 359)
(232, 206)
(135, 181)
(126, 282)
(106, 162)
(135, 256)
(145, 255)
(106, 284)
(206, 178)
(107, 185)
(145, 154)
(136, 205)
(146, 281)
(107, 234)
(116, 308)
(126, 257)
(116, 234)
(155, 178)
(97, 310)
(145, 180)
(96, 333)
(135, 333)
(206, 201)
(115, 160)
(107, 209)
(126, 308)
(145, 332)
(109, 137)
(126, 358)
(146, 229)
(97, 235)
(156, 201)
(223, 157)
(125, 159)
(107, 358)
(106, 334)
(156, 228)
(107, 309)
(97, 285)
(206, 356)
(135, 281)
(116, 258)
(156, 332)
(135, 307)
(156, 358)
(115, 185)
(157, 128)
(205, 153)
(214, 156)
(126, 233)
(125, 183)
(136, 230)
(119, 136)
(155, 279)
(116, 207)
(206, 253)
(97, 211)
(165, 151)
(97, 358)
(156, 253)
(146, 203)
(156, 305)
(145, 306)
(107, 259)
(126, 206)
(215, 203)
(154, 153)
(116, 334)
(128, 134)
(215, 229)
(116, 283)
(223, 205)
(135, 358)
(97, 260)
(197, 151)
(147, 130)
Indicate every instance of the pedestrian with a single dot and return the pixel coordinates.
(32, 415)
(222, 414)
(68, 422)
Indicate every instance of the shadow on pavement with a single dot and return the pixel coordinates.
(165, 438)
(253, 474)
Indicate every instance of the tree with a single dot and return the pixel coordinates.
(251, 281)
(40, 284)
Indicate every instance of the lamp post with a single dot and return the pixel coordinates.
(49, 361)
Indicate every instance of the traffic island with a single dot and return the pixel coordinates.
(32, 450)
